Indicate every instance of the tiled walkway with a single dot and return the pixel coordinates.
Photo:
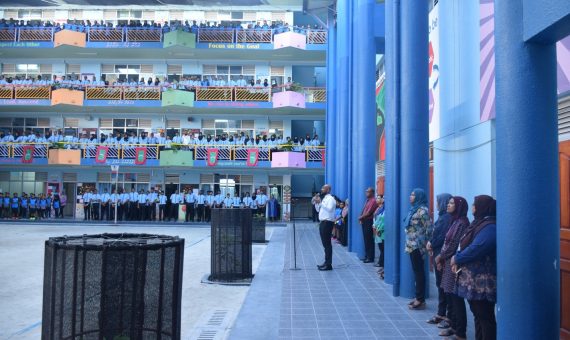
(349, 302)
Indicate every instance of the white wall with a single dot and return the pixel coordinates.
(94, 68)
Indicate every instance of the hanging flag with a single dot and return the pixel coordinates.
(323, 159)
(140, 156)
(212, 157)
(101, 155)
(252, 157)
(27, 154)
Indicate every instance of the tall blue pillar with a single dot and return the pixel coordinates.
(414, 119)
(528, 243)
(392, 245)
(363, 118)
(331, 114)
(343, 94)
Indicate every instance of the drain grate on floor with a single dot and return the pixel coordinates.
(213, 325)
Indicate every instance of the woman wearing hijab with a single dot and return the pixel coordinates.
(434, 245)
(457, 208)
(378, 228)
(476, 264)
(418, 229)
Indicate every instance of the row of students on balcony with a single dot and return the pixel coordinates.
(187, 140)
(80, 25)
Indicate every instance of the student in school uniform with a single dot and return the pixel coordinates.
(175, 200)
(15, 205)
(209, 204)
(33, 206)
(24, 206)
(236, 201)
(228, 201)
(161, 206)
(189, 200)
(200, 201)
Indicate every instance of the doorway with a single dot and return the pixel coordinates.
(564, 159)
(69, 190)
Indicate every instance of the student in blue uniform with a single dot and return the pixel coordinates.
(33, 206)
(42, 206)
(15, 205)
(24, 206)
(6, 201)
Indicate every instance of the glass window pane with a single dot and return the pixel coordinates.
(15, 176)
(31, 122)
(234, 124)
(132, 122)
(123, 14)
(39, 188)
(136, 14)
(222, 69)
(134, 69)
(5, 186)
(29, 187)
(121, 69)
(29, 176)
(235, 69)
(35, 68)
(18, 122)
(16, 187)
(118, 122)
(21, 67)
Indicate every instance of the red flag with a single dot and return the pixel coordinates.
(212, 157)
(252, 157)
(101, 155)
(140, 156)
(27, 154)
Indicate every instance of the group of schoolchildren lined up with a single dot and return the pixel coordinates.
(143, 205)
(32, 207)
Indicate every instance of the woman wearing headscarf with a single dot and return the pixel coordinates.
(418, 231)
(476, 261)
(378, 228)
(457, 208)
(433, 246)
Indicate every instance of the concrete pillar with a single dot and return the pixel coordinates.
(414, 119)
(343, 97)
(528, 206)
(392, 213)
(331, 114)
(363, 118)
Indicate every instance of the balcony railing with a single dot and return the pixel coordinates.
(129, 151)
(132, 92)
(152, 34)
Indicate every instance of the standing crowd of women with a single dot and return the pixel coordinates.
(464, 253)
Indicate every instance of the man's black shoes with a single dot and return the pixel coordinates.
(324, 267)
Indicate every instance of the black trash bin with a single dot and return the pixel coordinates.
(231, 258)
(112, 286)
(258, 229)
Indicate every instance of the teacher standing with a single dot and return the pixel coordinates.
(326, 209)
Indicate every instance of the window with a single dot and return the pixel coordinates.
(227, 72)
(124, 126)
(29, 14)
(121, 72)
(237, 15)
(25, 125)
(230, 127)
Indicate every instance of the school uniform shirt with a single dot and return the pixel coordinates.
(153, 197)
(175, 198)
(248, 202)
(228, 202)
(236, 201)
(142, 199)
(218, 199)
(261, 199)
(105, 197)
(86, 198)
(95, 198)
(210, 200)
(6, 201)
(124, 198)
(200, 199)
(190, 198)
(43, 203)
(114, 197)
(33, 202)
(15, 202)
(134, 197)
(162, 199)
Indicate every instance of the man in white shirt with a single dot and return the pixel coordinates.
(209, 204)
(133, 202)
(190, 200)
(161, 206)
(174, 202)
(115, 197)
(236, 200)
(200, 200)
(95, 205)
(142, 206)
(248, 202)
(153, 199)
(261, 202)
(228, 201)
(123, 211)
(105, 205)
(218, 200)
(87, 205)
(326, 209)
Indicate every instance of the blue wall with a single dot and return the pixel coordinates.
(464, 157)
(301, 19)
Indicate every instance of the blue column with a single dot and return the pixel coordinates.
(528, 244)
(331, 116)
(392, 245)
(414, 122)
(343, 94)
(363, 118)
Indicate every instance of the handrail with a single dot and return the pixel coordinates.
(128, 151)
(145, 92)
(156, 34)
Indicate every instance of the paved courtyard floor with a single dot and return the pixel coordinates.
(349, 302)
